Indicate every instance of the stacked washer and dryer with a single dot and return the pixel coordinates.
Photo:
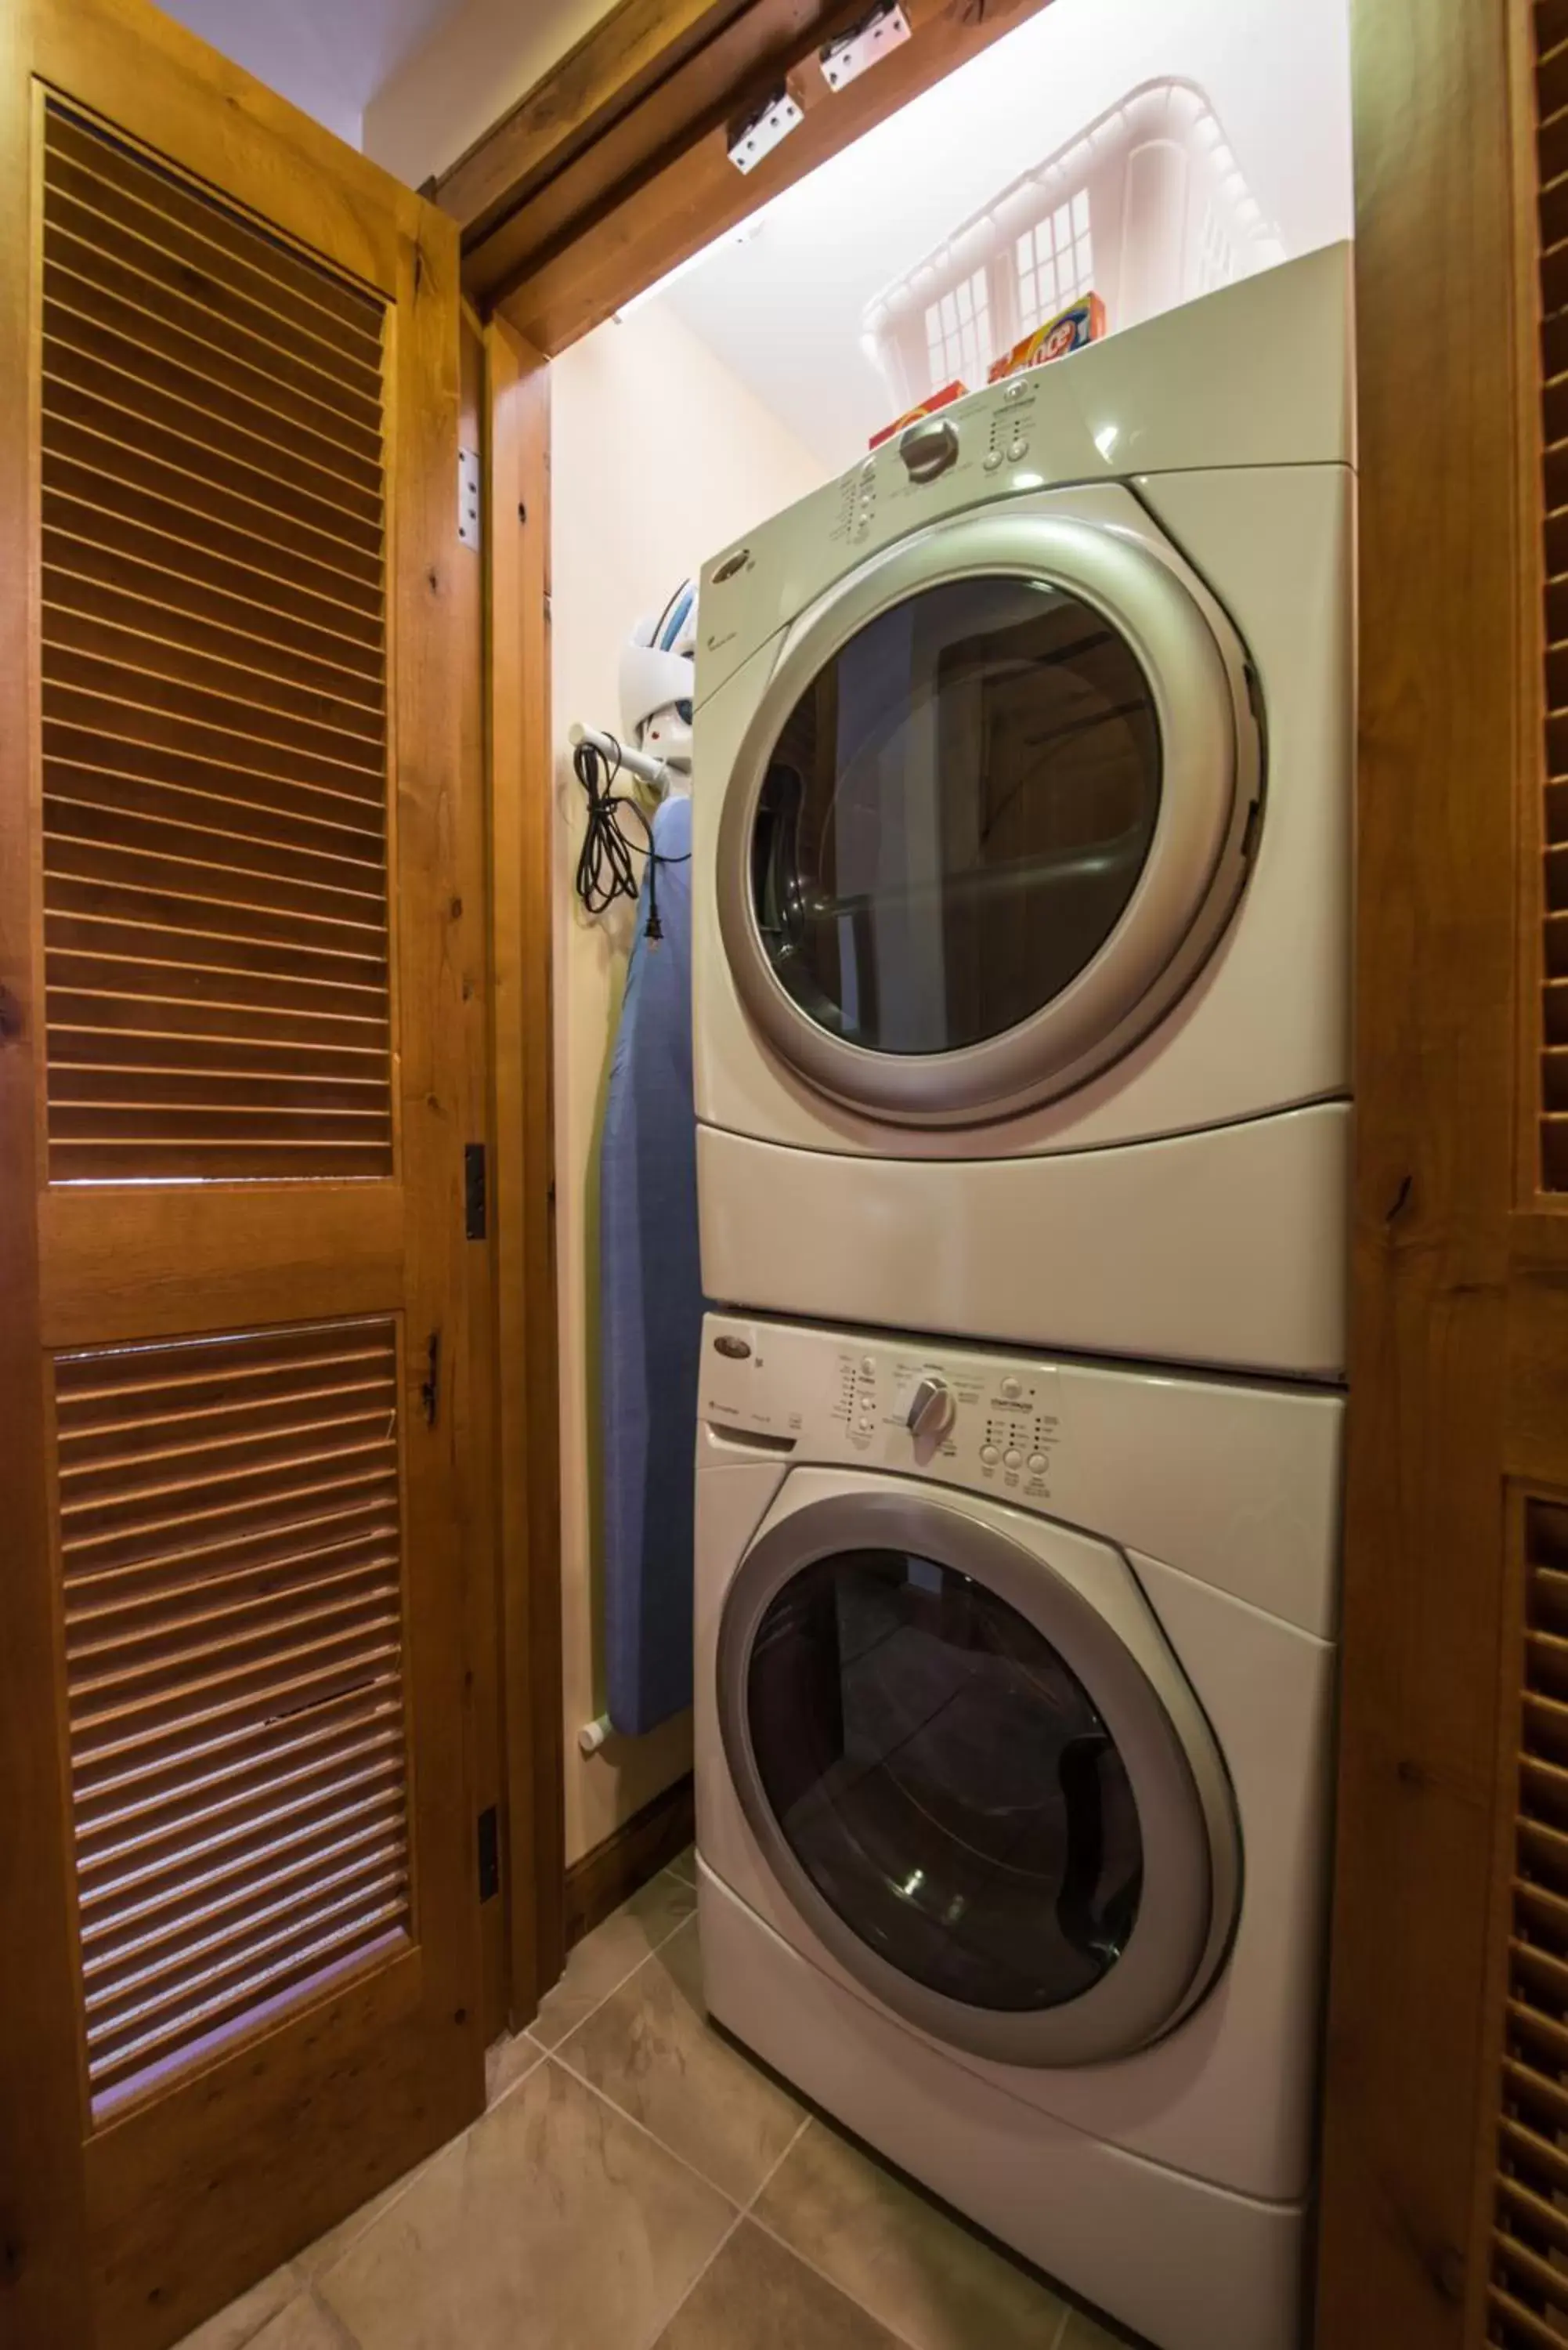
(1022, 896)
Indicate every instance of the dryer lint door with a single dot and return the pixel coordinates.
(973, 1765)
(991, 815)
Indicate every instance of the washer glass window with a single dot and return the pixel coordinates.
(944, 1779)
(955, 814)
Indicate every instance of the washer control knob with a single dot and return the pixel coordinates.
(990, 1455)
(928, 448)
(930, 1412)
(1038, 1464)
(1013, 1459)
(1011, 1388)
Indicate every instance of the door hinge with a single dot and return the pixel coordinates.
(468, 497)
(429, 1386)
(844, 60)
(473, 1191)
(488, 1854)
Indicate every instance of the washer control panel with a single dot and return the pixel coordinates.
(981, 1420)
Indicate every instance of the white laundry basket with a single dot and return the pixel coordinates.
(1147, 206)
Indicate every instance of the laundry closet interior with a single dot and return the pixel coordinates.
(780, 1117)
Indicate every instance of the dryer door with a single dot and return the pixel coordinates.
(990, 818)
(976, 1769)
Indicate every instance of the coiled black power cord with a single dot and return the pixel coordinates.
(605, 867)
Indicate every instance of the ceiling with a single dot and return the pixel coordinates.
(329, 57)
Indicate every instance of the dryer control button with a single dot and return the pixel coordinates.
(1011, 1388)
(992, 461)
(930, 1412)
(1037, 1464)
(928, 448)
(990, 1455)
(1013, 1459)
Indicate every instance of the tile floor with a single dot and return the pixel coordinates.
(636, 2184)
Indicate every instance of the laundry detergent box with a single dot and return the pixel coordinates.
(943, 399)
(1080, 322)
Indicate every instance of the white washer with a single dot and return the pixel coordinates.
(1013, 1776)
(1021, 868)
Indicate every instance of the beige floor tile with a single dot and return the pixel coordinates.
(235, 2327)
(553, 2224)
(922, 2272)
(304, 2324)
(651, 2051)
(320, 2256)
(507, 2061)
(757, 2296)
(604, 1958)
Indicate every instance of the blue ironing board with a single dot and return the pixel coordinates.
(651, 1308)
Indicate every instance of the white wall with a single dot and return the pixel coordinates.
(326, 60)
(483, 57)
(659, 456)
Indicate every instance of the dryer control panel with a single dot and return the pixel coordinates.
(982, 1421)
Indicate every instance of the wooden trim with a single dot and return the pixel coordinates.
(1430, 1434)
(605, 1877)
(528, 1470)
(634, 48)
(475, 1399)
(612, 171)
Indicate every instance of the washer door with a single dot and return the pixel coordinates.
(1000, 1813)
(990, 818)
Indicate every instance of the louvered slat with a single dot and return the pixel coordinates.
(233, 1619)
(213, 678)
(1526, 2301)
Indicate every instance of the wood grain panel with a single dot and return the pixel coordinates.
(527, 1369)
(214, 688)
(1440, 762)
(232, 1598)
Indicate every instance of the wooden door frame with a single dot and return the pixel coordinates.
(1458, 1263)
(521, 816)
(615, 168)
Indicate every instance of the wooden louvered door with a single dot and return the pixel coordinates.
(240, 1970)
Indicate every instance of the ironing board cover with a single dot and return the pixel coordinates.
(650, 1296)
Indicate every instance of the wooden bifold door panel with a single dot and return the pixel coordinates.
(243, 1043)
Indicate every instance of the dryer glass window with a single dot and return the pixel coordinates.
(956, 815)
(945, 1779)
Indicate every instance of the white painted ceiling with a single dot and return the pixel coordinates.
(328, 57)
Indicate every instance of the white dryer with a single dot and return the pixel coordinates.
(1021, 863)
(1014, 1723)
